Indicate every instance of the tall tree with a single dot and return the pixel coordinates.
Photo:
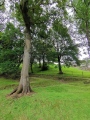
(42, 46)
(82, 15)
(34, 13)
(66, 50)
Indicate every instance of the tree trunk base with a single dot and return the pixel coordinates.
(60, 72)
(20, 91)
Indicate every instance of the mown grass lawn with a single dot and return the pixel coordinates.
(52, 100)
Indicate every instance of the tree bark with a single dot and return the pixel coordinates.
(24, 84)
(24, 81)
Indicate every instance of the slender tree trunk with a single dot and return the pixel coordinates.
(43, 61)
(31, 67)
(59, 65)
(39, 62)
(31, 63)
(24, 84)
(43, 64)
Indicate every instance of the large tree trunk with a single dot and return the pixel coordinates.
(24, 81)
(24, 85)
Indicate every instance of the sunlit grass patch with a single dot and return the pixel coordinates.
(68, 71)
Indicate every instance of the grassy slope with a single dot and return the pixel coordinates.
(53, 100)
(71, 71)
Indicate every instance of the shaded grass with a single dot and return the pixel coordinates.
(52, 100)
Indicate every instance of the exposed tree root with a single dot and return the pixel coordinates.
(20, 91)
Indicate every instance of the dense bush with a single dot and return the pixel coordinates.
(11, 50)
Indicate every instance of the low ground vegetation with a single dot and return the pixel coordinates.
(68, 71)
